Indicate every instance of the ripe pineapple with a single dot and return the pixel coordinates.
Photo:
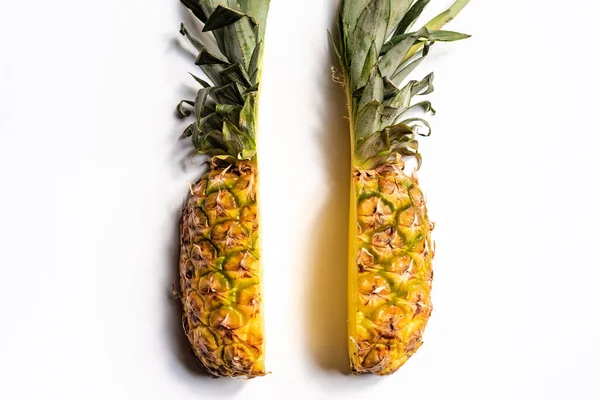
(390, 249)
(219, 263)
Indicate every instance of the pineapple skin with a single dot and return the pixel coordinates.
(390, 271)
(220, 270)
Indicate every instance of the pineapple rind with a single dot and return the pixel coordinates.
(390, 269)
(220, 271)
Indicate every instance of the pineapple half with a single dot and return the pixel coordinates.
(390, 247)
(219, 265)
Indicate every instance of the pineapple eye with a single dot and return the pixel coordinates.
(189, 274)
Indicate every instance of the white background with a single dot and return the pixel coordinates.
(92, 178)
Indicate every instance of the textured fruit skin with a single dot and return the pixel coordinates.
(220, 270)
(390, 270)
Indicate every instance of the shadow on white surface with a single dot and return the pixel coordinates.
(326, 313)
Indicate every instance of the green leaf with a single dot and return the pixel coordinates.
(200, 81)
(402, 99)
(360, 74)
(426, 106)
(247, 115)
(431, 36)
(374, 89)
(440, 20)
(373, 150)
(351, 11)
(235, 73)
(396, 105)
(446, 36)
(209, 6)
(411, 16)
(210, 122)
(388, 116)
(397, 12)
(193, 41)
(367, 119)
(258, 10)
(206, 58)
(406, 69)
(189, 131)
(420, 122)
(211, 143)
(426, 83)
(370, 31)
(253, 88)
(212, 71)
(221, 17)
(235, 140)
(200, 102)
(254, 63)
(195, 8)
(389, 89)
(229, 94)
(227, 111)
(183, 112)
(335, 49)
(240, 41)
(393, 58)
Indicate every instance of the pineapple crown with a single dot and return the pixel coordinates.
(377, 52)
(225, 108)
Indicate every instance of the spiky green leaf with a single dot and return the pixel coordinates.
(247, 115)
(229, 94)
(406, 68)
(257, 10)
(210, 123)
(360, 74)
(440, 20)
(253, 69)
(373, 91)
(367, 119)
(397, 12)
(351, 11)
(207, 58)
(423, 87)
(370, 32)
(227, 111)
(240, 41)
(411, 16)
(236, 140)
(389, 89)
(393, 58)
(431, 36)
(200, 81)
(212, 71)
(200, 101)
(195, 7)
(221, 17)
(235, 73)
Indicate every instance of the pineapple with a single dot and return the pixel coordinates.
(219, 265)
(390, 246)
